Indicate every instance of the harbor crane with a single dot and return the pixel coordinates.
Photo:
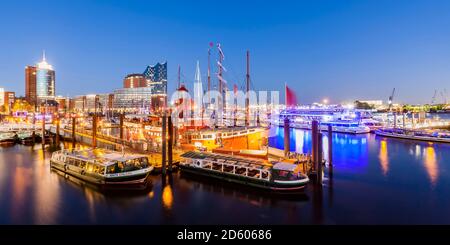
(433, 99)
(391, 98)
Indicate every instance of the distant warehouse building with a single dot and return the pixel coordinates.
(133, 100)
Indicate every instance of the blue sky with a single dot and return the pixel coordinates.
(342, 50)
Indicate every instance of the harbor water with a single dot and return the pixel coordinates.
(374, 180)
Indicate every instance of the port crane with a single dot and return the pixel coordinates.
(433, 99)
(391, 98)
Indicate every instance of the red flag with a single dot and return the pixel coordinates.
(235, 89)
(291, 98)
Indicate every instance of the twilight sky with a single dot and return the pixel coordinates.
(341, 50)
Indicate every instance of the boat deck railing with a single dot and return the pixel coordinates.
(229, 164)
(232, 167)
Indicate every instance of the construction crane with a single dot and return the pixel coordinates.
(433, 99)
(391, 98)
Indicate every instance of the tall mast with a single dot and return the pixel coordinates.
(221, 104)
(179, 76)
(247, 100)
(209, 71)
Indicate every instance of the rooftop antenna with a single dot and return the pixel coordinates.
(43, 55)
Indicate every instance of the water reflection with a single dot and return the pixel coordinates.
(431, 164)
(167, 195)
(383, 156)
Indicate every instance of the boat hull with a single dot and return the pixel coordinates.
(239, 179)
(411, 137)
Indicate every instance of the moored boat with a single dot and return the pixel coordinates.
(422, 135)
(25, 137)
(280, 176)
(104, 167)
(8, 138)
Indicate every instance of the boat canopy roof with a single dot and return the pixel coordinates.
(246, 162)
(102, 156)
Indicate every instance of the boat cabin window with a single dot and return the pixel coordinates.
(284, 175)
(127, 166)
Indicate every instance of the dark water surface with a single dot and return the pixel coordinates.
(374, 181)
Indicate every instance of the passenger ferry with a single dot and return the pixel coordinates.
(280, 176)
(104, 167)
(250, 138)
(341, 119)
(423, 135)
(8, 138)
(341, 126)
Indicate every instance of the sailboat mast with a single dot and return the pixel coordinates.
(209, 71)
(179, 76)
(247, 100)
(221, 104)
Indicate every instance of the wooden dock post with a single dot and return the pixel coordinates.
(94, 131)
(170, 143)
(43, 130)
(164, 140)
(315, 143)
(319, 158)
(57, 131)
(121, 127)
(287, 137)
(330, 145)
(33, 135)
(74, 121)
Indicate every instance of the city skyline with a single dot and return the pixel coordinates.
(341, 52)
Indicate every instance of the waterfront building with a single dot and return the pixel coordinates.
(30, 84)
(157, 80)
(133, 100)
(9, 98)
(78, 104)
(2, 96)
(45, 81)
(135, 81)
(146, 91)
(91, 103)
(39, 82)
(63, 103)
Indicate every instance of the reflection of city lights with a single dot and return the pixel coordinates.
(383, 156)
(167, 197)
(431, 164)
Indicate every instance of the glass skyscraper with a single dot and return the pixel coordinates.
(45, 81)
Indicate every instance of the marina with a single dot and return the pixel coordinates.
(241, 117)
(414, 172)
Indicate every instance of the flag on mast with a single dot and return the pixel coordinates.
(290, 97)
